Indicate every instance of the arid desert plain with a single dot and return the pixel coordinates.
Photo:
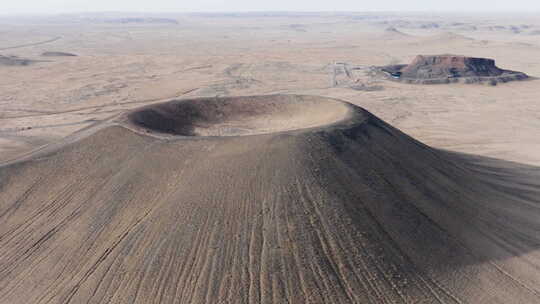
(267, 158)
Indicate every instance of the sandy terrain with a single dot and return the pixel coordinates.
(108, 195)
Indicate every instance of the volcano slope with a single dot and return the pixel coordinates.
(269, 199)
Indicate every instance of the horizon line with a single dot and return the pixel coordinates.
(246, 12)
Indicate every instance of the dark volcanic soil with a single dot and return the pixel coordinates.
(451, 68)
(342, 209)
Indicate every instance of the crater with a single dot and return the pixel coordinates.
(239, 116)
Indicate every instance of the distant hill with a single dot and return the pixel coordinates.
(392, 33)
(57, 54)
(14, 61)
(142, 20)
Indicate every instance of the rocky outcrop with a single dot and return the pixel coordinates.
(450, 68)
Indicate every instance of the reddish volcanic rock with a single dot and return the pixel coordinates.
(448, 65)
(451, 68)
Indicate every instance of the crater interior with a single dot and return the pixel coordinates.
(239, 116)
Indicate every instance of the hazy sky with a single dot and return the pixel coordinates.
(59, 6)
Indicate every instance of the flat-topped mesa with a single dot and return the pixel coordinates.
(451, 68)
